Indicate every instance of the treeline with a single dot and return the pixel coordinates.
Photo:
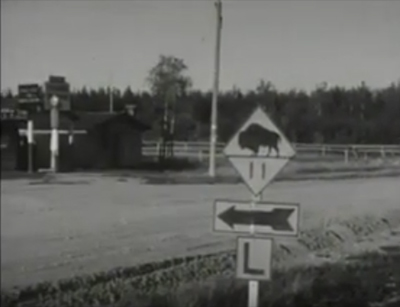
(326, 115)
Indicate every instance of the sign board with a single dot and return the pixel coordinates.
(269, 218)
(7, 114)
(57, 86)
(57, 79)
(29, 94)
(253, 258)
(259, 151)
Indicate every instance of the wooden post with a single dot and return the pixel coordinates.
(383, 152)
(346, 155)
(214, 102)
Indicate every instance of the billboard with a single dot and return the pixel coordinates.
(57, 86)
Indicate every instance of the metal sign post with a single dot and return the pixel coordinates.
(258, 151)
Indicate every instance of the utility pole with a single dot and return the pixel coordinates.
(213, 130)
(111, 99)
(111, 95)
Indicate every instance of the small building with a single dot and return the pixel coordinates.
(88, 140)
(11, 119)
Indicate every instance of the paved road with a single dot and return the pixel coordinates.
(54, 231)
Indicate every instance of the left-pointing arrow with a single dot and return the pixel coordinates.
(277, 219)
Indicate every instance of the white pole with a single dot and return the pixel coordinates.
(253, 293)
(213, 132)
(253, 284)
(54, 143)
(54, 150)
(30, 145)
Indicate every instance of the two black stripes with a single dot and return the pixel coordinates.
(251, 170)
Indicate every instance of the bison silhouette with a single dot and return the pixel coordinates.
(256, 136)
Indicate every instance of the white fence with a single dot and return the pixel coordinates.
(200, 150)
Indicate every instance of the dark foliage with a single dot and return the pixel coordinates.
(326, 115)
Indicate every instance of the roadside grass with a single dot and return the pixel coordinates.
(371, 278)
(181, 170)
(294, 170)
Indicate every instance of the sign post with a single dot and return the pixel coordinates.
(253, 284)
(57, 98)
(54, 122)
(258, 151)
(30, 145)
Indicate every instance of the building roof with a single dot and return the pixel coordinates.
(124, 117)
(86, 120)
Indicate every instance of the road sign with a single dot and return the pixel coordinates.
(253, 258)
(272, 218)
(30, 98)
(57, 86)
(259, 151)
(29, 94)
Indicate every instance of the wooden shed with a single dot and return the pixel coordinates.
(90, 140)
(11, 119)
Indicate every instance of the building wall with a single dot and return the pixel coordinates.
(8, 153)
(130, 150)
(9, 146)
(42, 151)
(88, 152)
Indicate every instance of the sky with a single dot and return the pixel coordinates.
(293, 44)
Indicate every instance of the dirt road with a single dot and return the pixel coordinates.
(55, 231)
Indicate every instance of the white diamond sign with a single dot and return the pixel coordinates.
(259, 151)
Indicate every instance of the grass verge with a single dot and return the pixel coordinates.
(372, 278)
(301, 176)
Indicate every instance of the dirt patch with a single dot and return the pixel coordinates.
(55, 231)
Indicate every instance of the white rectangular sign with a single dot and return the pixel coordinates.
(272, 218)
(254, 258)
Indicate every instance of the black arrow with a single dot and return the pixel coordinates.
(277, 219)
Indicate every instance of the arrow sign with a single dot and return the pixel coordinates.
(273, 218)
(277, 219)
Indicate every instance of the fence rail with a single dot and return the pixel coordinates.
(201, 150)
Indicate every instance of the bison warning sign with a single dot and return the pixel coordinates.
(259, 151)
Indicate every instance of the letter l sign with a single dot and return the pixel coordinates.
(247, 269)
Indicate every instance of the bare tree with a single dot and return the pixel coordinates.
(168, 82)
